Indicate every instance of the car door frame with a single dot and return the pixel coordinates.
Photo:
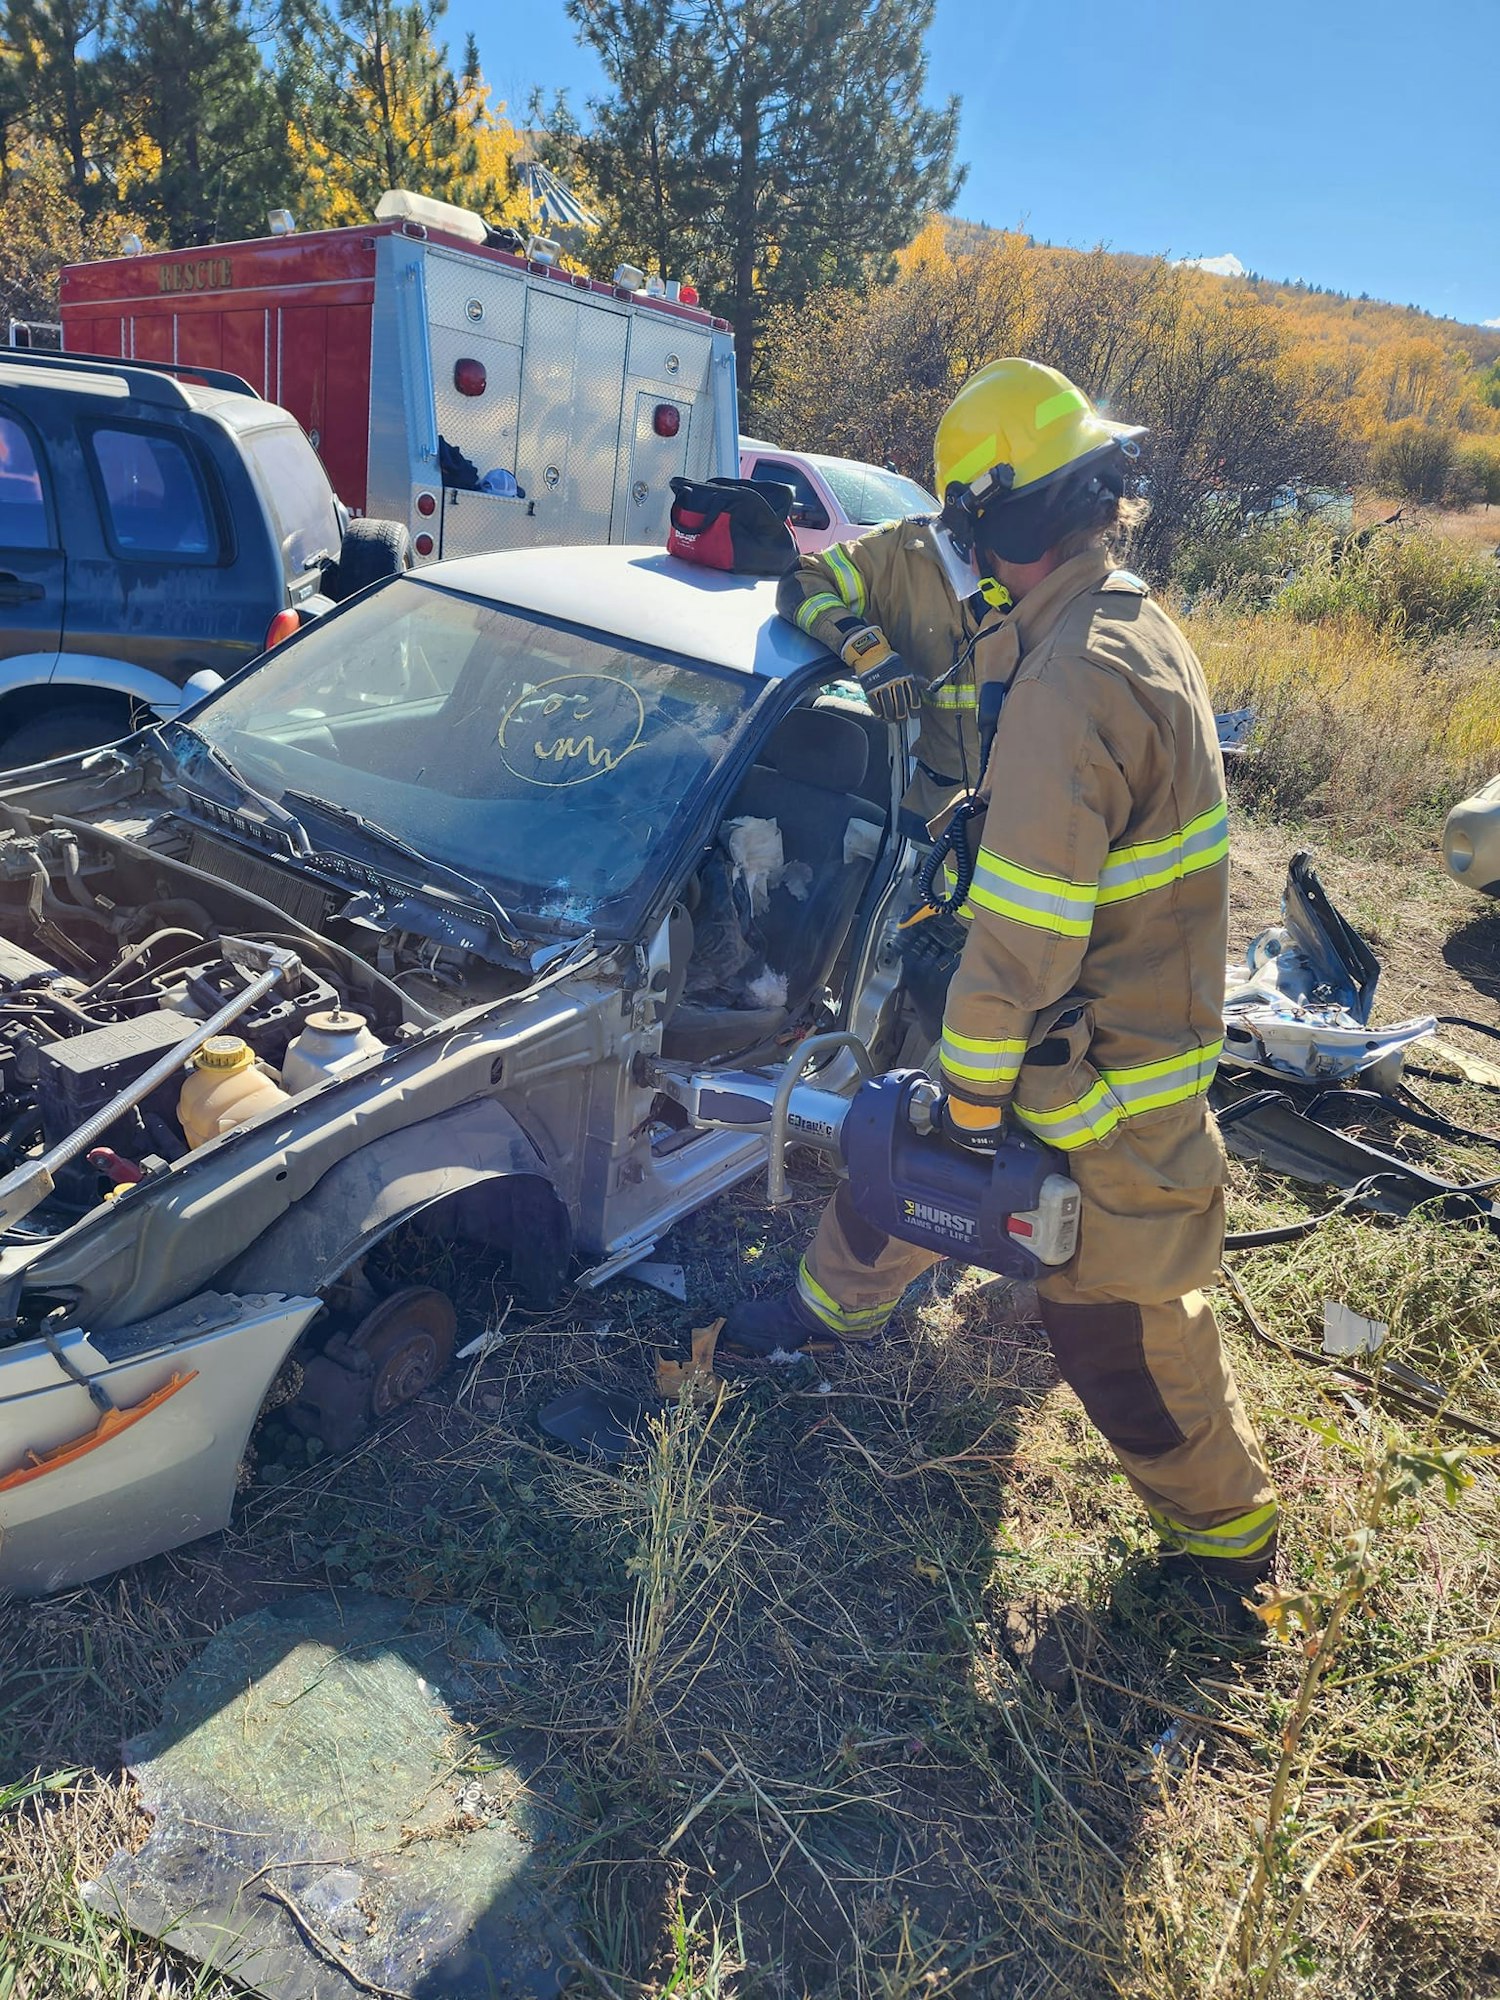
(28, 665)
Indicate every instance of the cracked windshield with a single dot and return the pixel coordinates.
(554, 763)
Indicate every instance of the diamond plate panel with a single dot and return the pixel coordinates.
(645, 497)
(665, 351)
(572, 385)
(463, 293)
(483, 427)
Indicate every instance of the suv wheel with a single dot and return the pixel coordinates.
(60, 731)
(371, 551)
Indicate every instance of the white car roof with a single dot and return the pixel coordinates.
(642, 594)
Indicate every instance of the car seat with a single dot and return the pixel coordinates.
(809, 784)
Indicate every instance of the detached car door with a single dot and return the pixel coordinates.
(31, 560)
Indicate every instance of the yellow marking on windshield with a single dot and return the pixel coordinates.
(571, 729)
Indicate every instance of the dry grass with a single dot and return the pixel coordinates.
(1356, 731)
(1474, 528)
(772, 1660)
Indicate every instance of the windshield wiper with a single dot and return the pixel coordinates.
(276, 813)
(488, 900)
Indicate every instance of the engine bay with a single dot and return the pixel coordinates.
(121, 937)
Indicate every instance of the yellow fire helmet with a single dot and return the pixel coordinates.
(1013, 426)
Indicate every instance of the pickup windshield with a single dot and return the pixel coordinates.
(869, 495)
(555, 764)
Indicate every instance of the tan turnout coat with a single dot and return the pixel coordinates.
(1091, 987)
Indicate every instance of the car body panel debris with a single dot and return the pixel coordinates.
(80, 1493)
(668, 1278)
(325, 1824)
(1299, 1004)
(602, 1423)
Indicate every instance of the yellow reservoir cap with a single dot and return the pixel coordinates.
(224, 1053)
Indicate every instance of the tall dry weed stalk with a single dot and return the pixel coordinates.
(685, 1564)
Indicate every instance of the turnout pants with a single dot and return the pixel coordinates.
(1131, 1331)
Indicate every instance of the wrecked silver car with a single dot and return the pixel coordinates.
(444, 910)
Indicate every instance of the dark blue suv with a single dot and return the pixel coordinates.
(154, 522)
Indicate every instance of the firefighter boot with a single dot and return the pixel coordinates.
(1215, 1596)
(779, 1327)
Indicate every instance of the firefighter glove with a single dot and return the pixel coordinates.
(975, 1127)
(889, 685)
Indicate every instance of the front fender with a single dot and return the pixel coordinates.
(397, 1177)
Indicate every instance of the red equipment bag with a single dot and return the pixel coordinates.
(733, 524)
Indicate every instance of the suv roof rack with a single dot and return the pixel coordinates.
(115, 364)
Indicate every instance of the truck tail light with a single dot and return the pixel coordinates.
(470, 377)
(426, 503)
(282, 626)
(666, 420)
(423, 545)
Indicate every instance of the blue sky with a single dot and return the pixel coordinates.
(1353, 143)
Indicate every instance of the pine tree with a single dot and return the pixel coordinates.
(764, 147)
(213, 118)
(53, 88)
(383, 109)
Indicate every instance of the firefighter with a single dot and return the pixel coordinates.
(904, 622)
(1087, 1002)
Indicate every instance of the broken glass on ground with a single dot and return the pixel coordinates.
(1299, 1004)
(328, 1823)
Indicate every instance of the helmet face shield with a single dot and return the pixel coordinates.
(1021, 527)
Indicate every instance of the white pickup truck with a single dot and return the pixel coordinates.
(837, 499)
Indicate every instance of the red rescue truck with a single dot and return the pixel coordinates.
(488, 399)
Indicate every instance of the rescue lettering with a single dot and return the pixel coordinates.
(205, 274)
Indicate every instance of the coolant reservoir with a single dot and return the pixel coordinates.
(331, 1042)
(227, 1087)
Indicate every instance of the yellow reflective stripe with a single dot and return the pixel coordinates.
(841, 1319)
(962, 696)
(1083, 1122)
(1245, 1535)
(1124, 1093)
(1045, 902)
(812, 609)
(850, 583)
(974, 1060)
(1053, 407)
(1152, 864)
(979, 458)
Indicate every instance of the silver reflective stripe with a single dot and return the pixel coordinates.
(841, 1319)
(1045, 902)
(1152, 864)
(812, 609)
(976, 1061)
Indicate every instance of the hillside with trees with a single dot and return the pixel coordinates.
(786, 159)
